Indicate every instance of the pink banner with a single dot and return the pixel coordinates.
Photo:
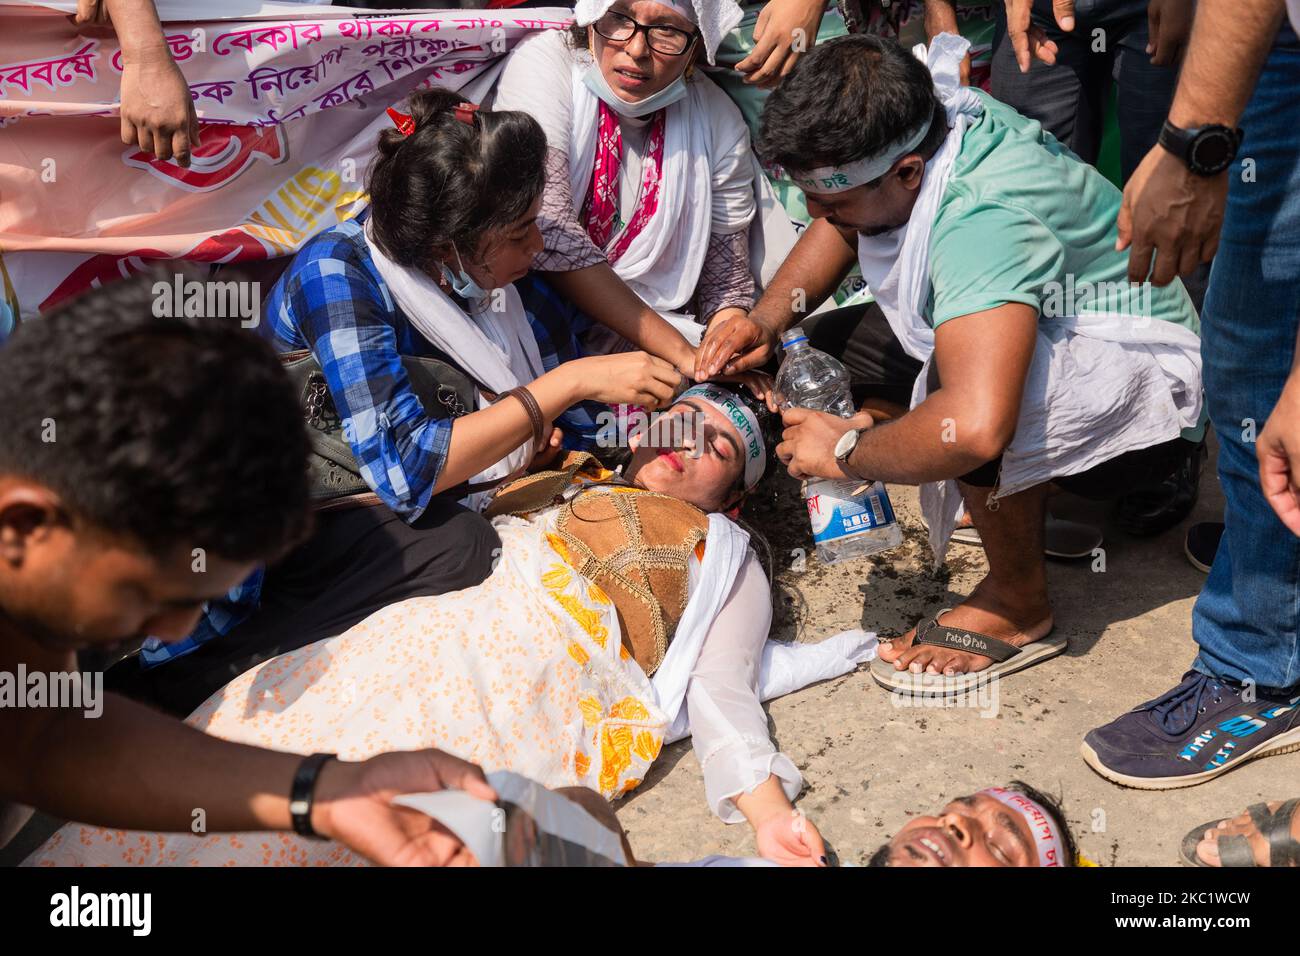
(290, 109)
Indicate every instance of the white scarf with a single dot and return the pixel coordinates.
(1154, 364)
(785, 667)
(662, 264)
(495, 348)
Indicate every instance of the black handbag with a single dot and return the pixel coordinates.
(335, 478)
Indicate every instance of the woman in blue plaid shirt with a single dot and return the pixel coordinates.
(427, 271)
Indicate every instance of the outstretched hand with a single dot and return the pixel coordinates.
(734, 344)
(354, 806)
(1030, 40)
(807, 446)
(1170, 218)
(786, 29)
(790, 839)
(157, 112)
(1278, 451)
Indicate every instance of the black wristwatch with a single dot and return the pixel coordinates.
(1207, 150)
(303, 794)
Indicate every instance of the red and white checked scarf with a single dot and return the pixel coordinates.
(601, 207)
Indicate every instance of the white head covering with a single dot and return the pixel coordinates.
(715, 18)
(746, 422)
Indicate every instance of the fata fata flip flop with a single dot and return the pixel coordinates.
(1007, 658)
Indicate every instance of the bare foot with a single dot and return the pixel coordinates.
(983, 612)
(1208, 849)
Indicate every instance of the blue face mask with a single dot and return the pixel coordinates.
(595, 81)
(462, 283)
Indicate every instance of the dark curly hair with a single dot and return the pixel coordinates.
(171, 431)
(848, 98)
(452, 183)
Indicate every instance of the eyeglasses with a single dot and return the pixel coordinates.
(669, 41)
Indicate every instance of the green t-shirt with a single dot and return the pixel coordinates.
(1023, 219)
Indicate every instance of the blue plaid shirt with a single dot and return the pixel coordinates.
(333, 301)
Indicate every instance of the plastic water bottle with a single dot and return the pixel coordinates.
(845, 525)
(809, 378)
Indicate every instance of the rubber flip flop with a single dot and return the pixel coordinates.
(1007, 659)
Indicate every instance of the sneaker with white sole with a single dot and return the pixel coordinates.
(1202, 728)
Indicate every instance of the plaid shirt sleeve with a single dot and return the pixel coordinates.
(346, 319)
(219, 617)
(331, 304)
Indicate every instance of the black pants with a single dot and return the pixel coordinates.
(860, 337)
(356, 562)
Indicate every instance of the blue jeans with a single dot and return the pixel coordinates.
(1247, 618)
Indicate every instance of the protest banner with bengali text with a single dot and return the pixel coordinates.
(290, 98)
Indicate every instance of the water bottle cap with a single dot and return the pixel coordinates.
(793, 337)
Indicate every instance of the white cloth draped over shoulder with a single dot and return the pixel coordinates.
(1100, 383)
(496, 347)
(711, 182)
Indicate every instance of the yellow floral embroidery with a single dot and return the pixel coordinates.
(615, 757)
(557, 578)
(557, 543)
(581, 763)
(586, 618)
(556, 581)
(578, 654)
(647, 746)
(592, 712)
(629, 708)
(596, 595)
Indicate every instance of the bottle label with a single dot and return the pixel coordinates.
(835, 514)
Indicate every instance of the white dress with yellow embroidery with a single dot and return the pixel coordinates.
(524, 672)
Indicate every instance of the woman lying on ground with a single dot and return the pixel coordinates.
(618, 604)
(426, 272)
(650, 178)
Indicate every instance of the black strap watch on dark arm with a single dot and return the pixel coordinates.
(1207, 150)
(302, 796)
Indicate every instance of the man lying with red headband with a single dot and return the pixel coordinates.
(1014, 825)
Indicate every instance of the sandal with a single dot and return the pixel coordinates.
(1234, 849)
(1007, 658)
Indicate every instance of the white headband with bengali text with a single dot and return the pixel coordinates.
(1051, 848)
(746, 422)
(838, 179)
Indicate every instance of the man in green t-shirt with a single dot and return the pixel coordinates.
(1005, 351)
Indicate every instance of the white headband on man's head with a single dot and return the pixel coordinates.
(746, 422)
(838, 179)
(1050, 846)
(715, 18)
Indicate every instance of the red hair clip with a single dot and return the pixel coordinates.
(405, 124)
(465, 113)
